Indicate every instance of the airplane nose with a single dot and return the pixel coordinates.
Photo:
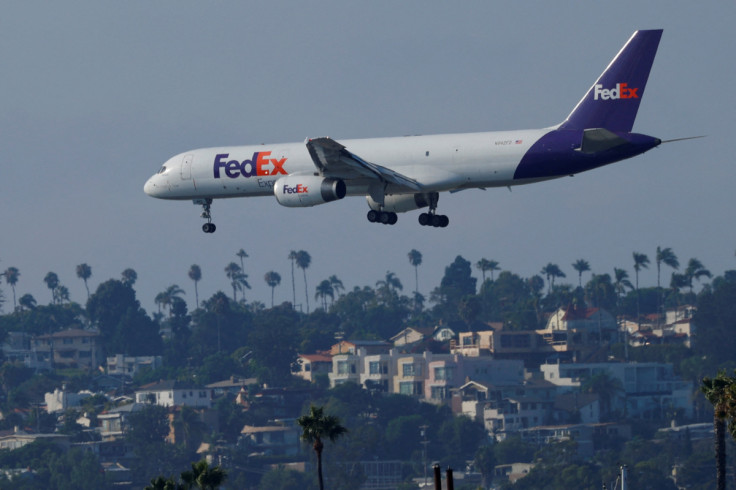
(151, 188)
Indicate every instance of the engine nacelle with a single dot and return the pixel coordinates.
(299, 191)
(400, 203)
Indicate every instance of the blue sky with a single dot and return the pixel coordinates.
(97, 95)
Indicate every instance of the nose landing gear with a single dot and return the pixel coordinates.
(208, 227)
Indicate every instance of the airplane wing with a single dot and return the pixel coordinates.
(330, 157)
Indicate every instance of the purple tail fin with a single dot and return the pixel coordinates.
(613, 100)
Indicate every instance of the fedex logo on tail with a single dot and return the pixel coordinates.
(259, 165)
(620, 91)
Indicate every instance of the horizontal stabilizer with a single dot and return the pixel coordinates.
(595, 140)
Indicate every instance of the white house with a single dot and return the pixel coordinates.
(170, 393)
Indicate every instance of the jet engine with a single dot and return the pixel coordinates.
(400, 203)
(300, 191)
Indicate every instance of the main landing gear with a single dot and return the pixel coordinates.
(432, 219)
(208, 227)
(384, 217)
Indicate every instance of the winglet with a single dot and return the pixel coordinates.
(613, 100)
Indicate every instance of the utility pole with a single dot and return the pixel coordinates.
(424, 443)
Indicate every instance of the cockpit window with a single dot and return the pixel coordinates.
(163, 169)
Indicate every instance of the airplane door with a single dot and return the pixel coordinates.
(186, 167)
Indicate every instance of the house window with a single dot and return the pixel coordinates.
(439, 392)
(345, 367)
(374, 367)
(445, 373)
(406, 388)
(411, 369)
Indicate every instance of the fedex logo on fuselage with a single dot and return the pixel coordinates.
(620, 91)
(259, 165)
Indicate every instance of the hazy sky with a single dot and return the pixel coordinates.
(97, 95)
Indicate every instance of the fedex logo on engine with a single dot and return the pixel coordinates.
(620, 91)
(297, 189)
(259, 165)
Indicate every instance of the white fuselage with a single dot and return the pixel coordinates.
(437, 162)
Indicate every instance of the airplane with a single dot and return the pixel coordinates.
(406, 173)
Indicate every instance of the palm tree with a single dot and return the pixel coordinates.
(721, 393)
(695, 270)
(241, 253)
(273, 279)
(324, 289)
(485, 265)
(303, 259)
(27, 302)
(336, 284)
(552, 271)
(233, 272)
(195, 274)
(667, 257)
(316, 426)
(292, 257)
(641, 261)
(166, 298)
(129, 277)
(581, 266)
(204, 477)
(62, 294)
(52, 282)
(84, 272)
(621, 282)
(415, 259)
(390, 283)
(11, 278)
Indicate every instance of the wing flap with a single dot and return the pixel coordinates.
(332, 158)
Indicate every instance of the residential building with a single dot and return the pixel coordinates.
(169, 393)
(272, 440)
(648, 388)
(60, 399)
(121, 364)
(308, 366)
(73, 348)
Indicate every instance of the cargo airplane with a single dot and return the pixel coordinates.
(406, 173)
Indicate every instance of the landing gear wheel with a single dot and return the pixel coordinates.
(209, 227)
(384, 217)
(392, 218)
(444, 221)
(424, 219)
(372, 216)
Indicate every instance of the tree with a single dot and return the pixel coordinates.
(303, 260)
(316, 426)
(238, 280)
(695, 270)
(204, 477)
(667, 257)
(11, 278)
(52, 282)
(485, 463)
(581, 266)
(292, 257)
(195, 274)
(552, 271)
(336, 284)
(389, 284)
(27, 302)
(242, 255)
(324, 290)
(166, 298)
(641, 261)
(721, 393)
(485, 265)
(415, 259)
(273, 279)
(129, 277)
(84, 272)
